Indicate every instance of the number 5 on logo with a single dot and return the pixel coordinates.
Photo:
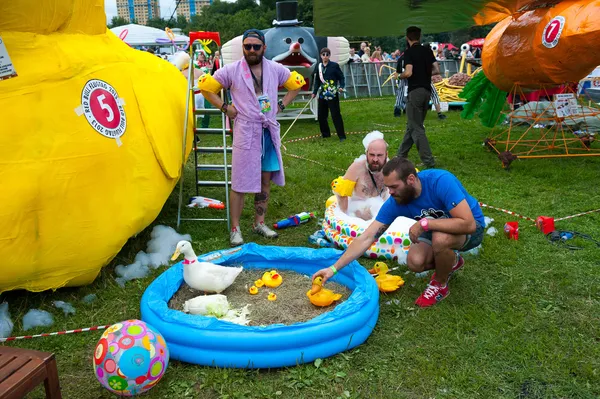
(103, 109)
(111, 114)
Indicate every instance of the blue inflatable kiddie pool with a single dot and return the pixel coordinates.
(211, 342)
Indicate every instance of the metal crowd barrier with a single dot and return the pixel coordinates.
(366, 79)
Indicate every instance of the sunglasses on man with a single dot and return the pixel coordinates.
(325, 54)
(255, 47)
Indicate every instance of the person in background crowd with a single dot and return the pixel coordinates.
(328, 71)
(353, 56)
(216, 62)
(202, 61)
(376, 57)
(366, 57)
(363, 45)
(419, 65)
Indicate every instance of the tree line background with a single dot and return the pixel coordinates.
(232, 19)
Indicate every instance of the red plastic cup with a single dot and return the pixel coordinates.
(545, 224)
(511, 229)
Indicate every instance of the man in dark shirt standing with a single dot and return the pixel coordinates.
(325, 73)
(419, 65)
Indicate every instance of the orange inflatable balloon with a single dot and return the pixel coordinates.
(544, 47)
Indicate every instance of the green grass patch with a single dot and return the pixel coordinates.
(521, 321)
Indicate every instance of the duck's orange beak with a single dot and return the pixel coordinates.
(275, 276)
(373, 271)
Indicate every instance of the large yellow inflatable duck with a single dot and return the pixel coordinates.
(90, 142)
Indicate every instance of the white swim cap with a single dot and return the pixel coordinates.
(369, 138)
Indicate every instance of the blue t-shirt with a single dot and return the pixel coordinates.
(441, 191)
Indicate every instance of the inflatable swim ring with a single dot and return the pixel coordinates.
(341, 229)
(211, 342)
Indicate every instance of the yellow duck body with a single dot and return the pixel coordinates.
(204, 276)
(272, 279)
(386, 282)
(72, 196)
(389, 283)
(320, 296)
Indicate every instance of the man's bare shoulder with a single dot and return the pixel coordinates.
(355, 168)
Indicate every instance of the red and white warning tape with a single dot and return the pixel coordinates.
(506, 211)
(390, 98)
(313, 161)
(533, 220)
(78, 330)
(347, 133)
(574, 216)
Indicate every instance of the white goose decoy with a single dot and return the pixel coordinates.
(204, 276)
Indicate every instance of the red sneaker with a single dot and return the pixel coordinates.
(460, 262)
(432, 294)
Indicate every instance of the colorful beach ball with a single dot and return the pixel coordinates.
(130, 358)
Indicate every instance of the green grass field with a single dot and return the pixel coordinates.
(522, 319)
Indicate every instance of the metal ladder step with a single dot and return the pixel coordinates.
(213, 183)
(218, 168)
(209, 130)
(213, 150)
(204, 172)
(207, 111)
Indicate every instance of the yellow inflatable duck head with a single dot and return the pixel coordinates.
(91, 142)
(317, 285)
(379, 268)
(272, 279)
(320, 296)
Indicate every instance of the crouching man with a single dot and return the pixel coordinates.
(448, 221)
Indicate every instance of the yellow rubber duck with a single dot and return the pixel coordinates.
(272, 279)
(259, 283)
(272, 297)
(253, 290)
(90, 141)
(320, 296)
(386, 282)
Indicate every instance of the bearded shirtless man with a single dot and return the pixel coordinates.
(366, 173)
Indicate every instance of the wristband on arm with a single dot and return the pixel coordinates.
(333, 269)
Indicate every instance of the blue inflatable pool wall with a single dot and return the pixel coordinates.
(211, 342)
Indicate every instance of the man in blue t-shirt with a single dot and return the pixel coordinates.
(448, 220)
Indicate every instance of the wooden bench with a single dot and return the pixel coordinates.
(22, 370)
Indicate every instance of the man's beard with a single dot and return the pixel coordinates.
(406, 196)
(374, 168)
(253, 58)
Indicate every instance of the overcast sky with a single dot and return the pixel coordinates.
(166, 8)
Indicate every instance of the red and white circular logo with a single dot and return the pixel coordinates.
(552, 32)
(103, 109)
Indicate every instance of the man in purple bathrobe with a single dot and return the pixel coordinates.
(253, 82)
